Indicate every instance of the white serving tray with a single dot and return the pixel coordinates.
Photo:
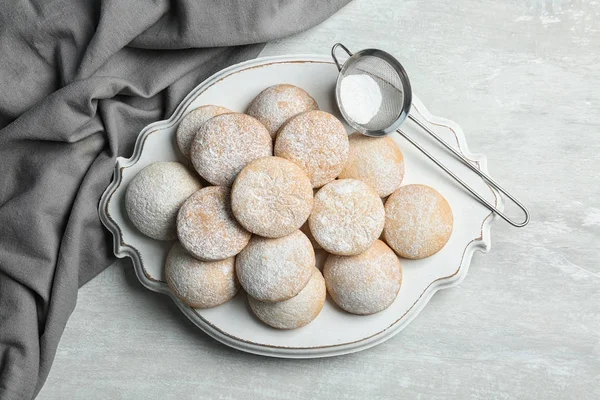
(333, 332)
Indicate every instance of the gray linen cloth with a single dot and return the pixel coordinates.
(78, 81)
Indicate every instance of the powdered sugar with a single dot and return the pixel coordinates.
(276, 269)
(360, 97)
(154, 196)
(225, 144)
(375, 161)
(297, 311)
(206, 227)
(317, 142)
(192, 122)
(419, 221)
(276, 104)
(347, 217)
(200, 284)
(366, 283)
(272, 197)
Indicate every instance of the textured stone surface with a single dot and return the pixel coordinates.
(521, 78)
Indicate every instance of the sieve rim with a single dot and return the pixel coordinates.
(407, 91)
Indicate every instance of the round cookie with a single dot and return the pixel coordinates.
(190, 124)
(296, 312)
(154, 196)
(366, 283)
(418, 221)
(275, 269)
(376, 161)
(206, 227)
(347, 217)
(200, 284)
(271, 197)
(225, 144)
(276, 104)
(317, 142)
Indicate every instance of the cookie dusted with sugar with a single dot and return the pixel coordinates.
(276, 104)
(154, 196)
(418, 221)
(296, 312)
(200, 284)
(225, 144)
(376, 161)
(275, 269)
(206, 227)
(366, 283)
(192, 122)
(271, 197)
(347, 217)
(317, 142)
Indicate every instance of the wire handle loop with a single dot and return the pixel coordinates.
(335, 59)
(473, 168)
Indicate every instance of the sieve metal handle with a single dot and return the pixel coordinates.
(334, 48)
(464, 160)
(469, 164)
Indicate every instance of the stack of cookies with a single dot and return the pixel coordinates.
(285, 186)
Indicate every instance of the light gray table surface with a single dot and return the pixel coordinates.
(522, 78)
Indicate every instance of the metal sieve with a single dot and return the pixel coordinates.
(396, 99)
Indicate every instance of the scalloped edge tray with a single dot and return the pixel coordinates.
(444, 127)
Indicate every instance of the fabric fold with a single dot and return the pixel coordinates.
(78, 81)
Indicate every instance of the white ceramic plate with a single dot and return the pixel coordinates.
(333, 332)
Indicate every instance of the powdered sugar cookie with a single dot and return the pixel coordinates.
(366, 283)
(190, 124)
(225, 144)
(317, 142)
(375, 161)
(347, 217)
(206, 227)
(154, 196)
(200, 284)
(275, 269)
(271, 197)
(418, 221)
(296, 312)
(276, 104)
